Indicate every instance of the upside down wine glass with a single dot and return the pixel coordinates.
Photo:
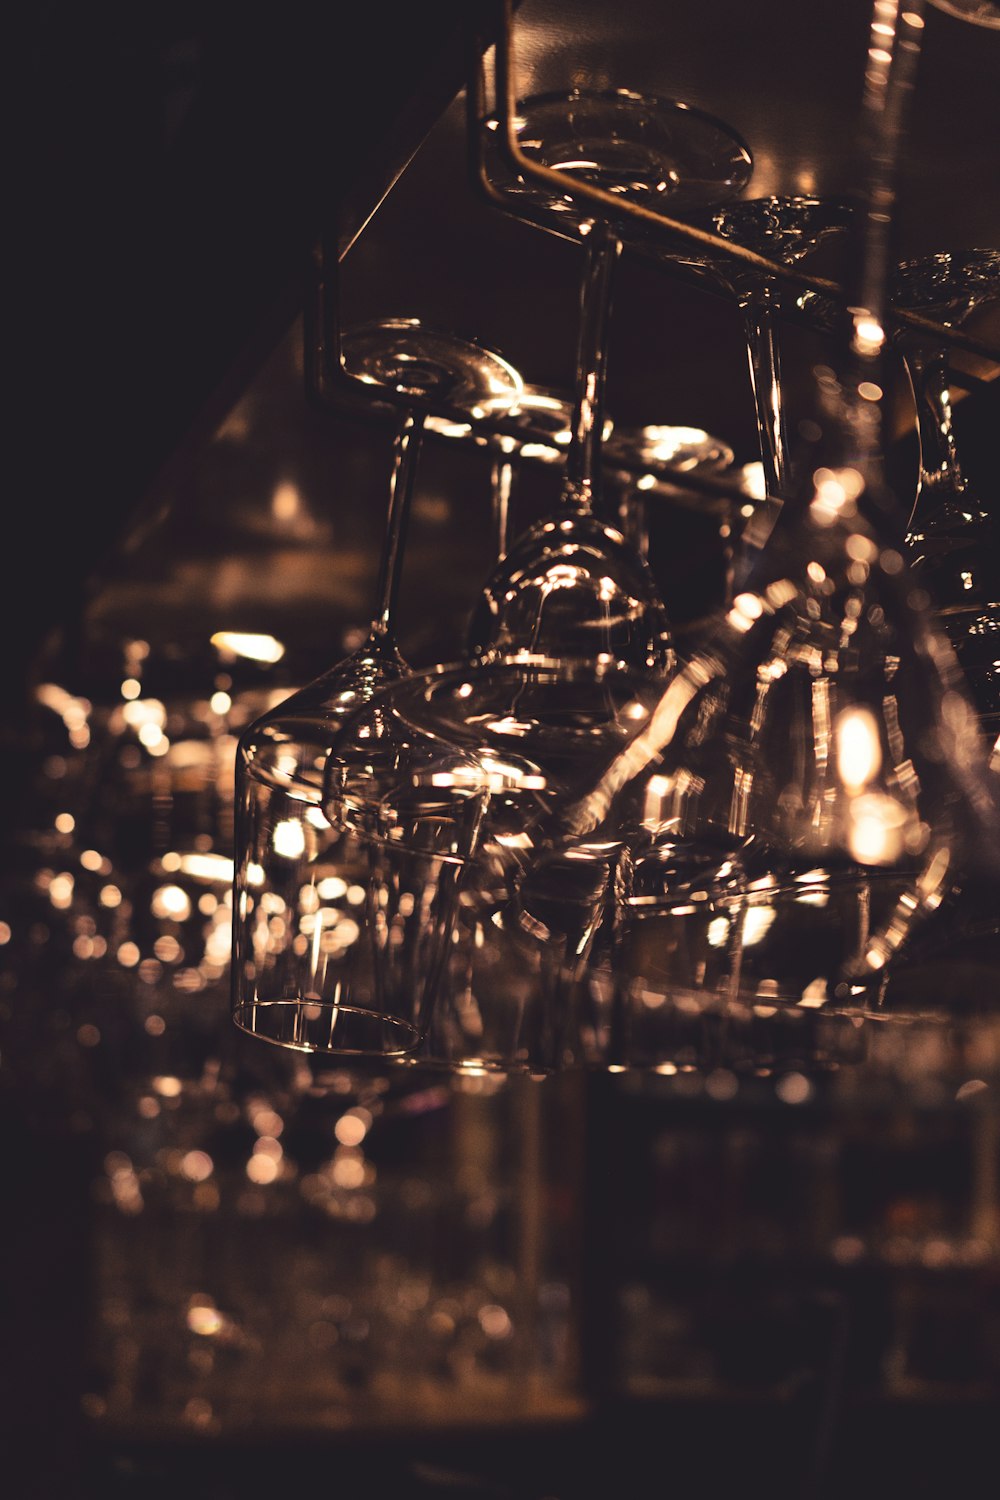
(302, 917)
(566, 645)
(646, 150)
(952, 537)
(953, 544)
(786, 230)
(813, 779)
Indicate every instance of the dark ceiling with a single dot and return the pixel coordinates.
(176, 163)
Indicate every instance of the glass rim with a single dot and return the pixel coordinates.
(661, 103)
(434, 331)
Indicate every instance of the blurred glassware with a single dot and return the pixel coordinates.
(977, 12)
(953, 541)
(302, 909)
(123, 849)
(952, 534)
(395, 1230)
(820, 751)
(813, 780)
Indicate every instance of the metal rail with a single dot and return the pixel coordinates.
(330, 382)
(504, 114)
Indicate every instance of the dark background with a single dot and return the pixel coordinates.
(170, 168)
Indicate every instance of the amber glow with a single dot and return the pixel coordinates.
(289, 839)
(869, 335)
(263, 648)
(859, 753)
(746, 610)
(876, 828)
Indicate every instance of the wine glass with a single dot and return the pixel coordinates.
(569, 584)
(950, 533)
(785, 230)
(954, 548)
(301, 974)
(814, 773)
(820, 751)
(666, 933)
(569, 635)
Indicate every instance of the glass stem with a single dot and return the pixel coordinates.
(894, 46)
(502, 475)
(942, 501)
(765, 382)
(406, 452)
(583, 460)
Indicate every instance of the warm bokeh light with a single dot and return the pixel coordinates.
(235, 643)
(859, 751)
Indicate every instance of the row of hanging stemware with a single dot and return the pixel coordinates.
(574, 844)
